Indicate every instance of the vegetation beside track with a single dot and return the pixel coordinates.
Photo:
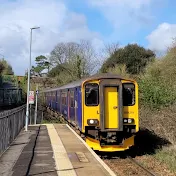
(158, 108)
(167, 156)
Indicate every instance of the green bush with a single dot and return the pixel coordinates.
(119, 69)
(157, 85)
(156, 93)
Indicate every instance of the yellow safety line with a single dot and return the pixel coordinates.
(63, 164)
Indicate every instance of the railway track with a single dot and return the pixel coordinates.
(128, 166)
(141, 166)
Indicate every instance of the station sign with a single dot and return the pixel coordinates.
(31, 97)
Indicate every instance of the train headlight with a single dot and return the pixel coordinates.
(130, 120)
(92, 122)
(127, 120)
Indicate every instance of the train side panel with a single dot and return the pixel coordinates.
(58, 101)
(51, 99)
(69, 103)
(72, 104)
(79, 109)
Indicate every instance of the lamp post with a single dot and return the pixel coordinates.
(28, 85)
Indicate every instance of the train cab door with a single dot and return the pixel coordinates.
(111, 105)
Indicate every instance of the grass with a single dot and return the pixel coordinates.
(168, 157)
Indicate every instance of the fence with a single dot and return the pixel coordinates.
(11, 122)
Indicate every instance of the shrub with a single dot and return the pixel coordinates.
(119, 69)
(158, 83)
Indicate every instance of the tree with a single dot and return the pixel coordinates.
(73, 60)
(42, 64)
(6, 68)
(1, 68)
(110, 49)
(133, 56)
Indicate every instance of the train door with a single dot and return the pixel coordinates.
(76, 104)
(111, 105)
(72, 106)
(61, 102)
(58, 101)
(68, 105)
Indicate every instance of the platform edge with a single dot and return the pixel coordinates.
(105, 166)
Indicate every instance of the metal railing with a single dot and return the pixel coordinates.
(11, 123)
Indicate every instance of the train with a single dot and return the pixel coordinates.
(103, 107)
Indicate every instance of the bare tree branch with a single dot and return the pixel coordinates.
(110, 49)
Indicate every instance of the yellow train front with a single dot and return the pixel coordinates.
(110, 112)
(103, 107)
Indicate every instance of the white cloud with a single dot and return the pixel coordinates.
(56, 23)
(125, 12)
(162, 37)
(127, 17)
(133, 4)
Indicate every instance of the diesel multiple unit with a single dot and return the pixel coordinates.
(103, 107)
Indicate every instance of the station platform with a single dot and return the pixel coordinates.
(51, 150)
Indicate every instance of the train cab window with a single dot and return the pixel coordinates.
(91, 94)
(128, 94)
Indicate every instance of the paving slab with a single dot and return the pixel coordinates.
(84, 163)
(31, 154)
(10, 157)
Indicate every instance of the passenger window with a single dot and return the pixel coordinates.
(128, 94)
(91, 94)
(63, 97)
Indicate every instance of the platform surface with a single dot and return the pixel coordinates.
(51, 150)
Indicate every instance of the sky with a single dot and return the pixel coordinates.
(149, 23)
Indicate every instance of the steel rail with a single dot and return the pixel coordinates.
(139, 165)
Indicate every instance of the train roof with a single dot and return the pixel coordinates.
(93, 77)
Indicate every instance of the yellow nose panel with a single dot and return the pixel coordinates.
(111, 107)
